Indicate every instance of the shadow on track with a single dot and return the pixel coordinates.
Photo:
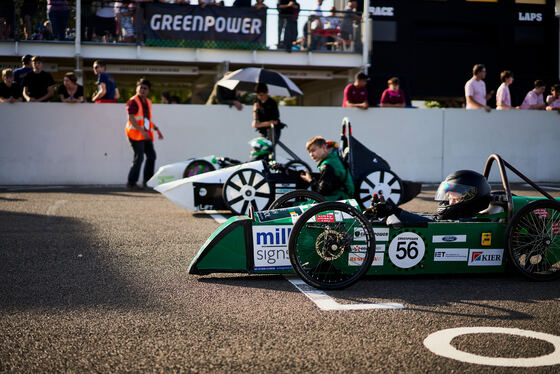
(49, 261)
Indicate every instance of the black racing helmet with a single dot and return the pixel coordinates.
(462, 194)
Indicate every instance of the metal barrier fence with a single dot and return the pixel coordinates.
(155, 23)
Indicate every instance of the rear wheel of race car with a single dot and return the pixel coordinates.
(533, 240)
(297, 197)
(198, 167)
(381, 182)
(331, 245)
(245, 188)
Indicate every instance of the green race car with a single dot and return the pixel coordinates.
(330, 245)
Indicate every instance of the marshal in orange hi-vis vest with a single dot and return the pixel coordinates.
(131, 132)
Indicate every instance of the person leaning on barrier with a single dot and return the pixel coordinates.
(38, 85)
(107, 91)
(139, 129)
(553, 100)
(10, 92)
(356, 94)
(393, 96)
(475, 90)
(70, 91)
(503, 96)
(534, 99)
(335, 181)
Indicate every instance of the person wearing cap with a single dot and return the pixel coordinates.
(25, 68)
(38, 85)
(356, 94)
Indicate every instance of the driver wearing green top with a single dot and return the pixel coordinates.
(335, 181)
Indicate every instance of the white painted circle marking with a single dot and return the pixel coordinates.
(406, 250)
(440, 343)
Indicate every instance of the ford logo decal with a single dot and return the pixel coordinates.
(449, 238)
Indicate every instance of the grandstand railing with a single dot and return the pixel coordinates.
(133, 23)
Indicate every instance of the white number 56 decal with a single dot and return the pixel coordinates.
(406, 250)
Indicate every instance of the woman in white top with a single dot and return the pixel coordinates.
(503, 97)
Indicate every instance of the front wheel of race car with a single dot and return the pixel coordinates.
(296, 197)
(245, 188)
(533, 240)
(381, 182)
(198, 167)
(331, 246)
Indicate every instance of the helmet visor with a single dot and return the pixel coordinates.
(454, 193)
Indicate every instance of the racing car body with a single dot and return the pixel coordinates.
(330, 245)
(212, 183)
(189, 168)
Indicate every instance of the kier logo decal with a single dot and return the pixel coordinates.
(485, 257)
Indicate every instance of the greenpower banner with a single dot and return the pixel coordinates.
(209, 27)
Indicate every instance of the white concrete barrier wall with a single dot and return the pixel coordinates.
(56, 143)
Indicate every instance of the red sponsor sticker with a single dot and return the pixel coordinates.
(555, 228)
(541, 212)
(325, 217)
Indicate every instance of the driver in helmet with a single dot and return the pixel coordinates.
(260, 148)
(461, 196)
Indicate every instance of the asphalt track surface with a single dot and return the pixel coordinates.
(95, 280)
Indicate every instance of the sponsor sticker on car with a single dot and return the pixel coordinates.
(270, 247)
(451, 254)
(406, 250)
(357, 258)
(325, 217)
(555, 228)
(541, 212)
(449, 238)
(486, 257)
(381, 234)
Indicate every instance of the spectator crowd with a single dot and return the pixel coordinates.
(121, 21)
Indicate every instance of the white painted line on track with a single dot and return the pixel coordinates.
(32, 188)
(320, 298)
(218, 218)
(327, 303)
(440, 343)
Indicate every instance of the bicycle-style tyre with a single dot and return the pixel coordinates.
(331, 246)
(533, 240)
(198, 167)
(297, 197)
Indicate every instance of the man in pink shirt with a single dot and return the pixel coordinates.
(503, 96)
(355, 94)
(475, 89)
(534, 98)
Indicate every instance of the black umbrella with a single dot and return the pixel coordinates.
(246, 79)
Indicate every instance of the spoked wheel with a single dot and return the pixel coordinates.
(247, 187)
(297, 166)
(198, 167)
(297, 197)
(533, 240)
(331, 245)
(383, 182)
